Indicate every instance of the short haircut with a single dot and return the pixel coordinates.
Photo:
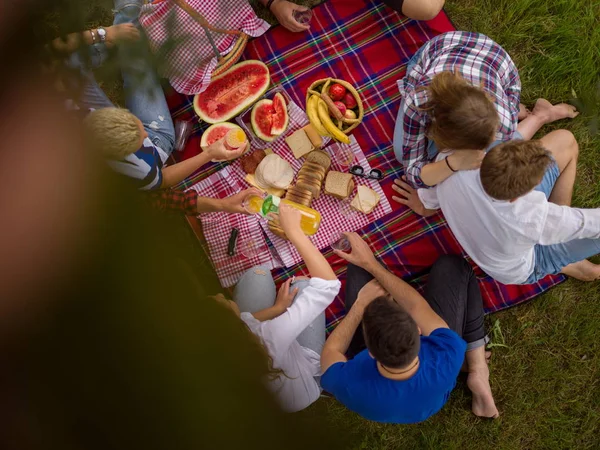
(391, 334)
(512, 169)
(463, 117)
(113, 131)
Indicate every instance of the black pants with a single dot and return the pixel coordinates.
(395, 4)
(452, 292)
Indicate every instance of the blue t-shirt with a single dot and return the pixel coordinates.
(359, 385)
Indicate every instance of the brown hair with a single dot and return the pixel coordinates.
(463, 116)
(391, 334)
(513, 168)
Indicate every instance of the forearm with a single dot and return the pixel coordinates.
(315, 261)
(267, 313)
(434, 173)
(399, 289)
(72, 42)
(340, 339)
(206, 205)
(178, 172)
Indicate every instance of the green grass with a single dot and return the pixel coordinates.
(547, 380)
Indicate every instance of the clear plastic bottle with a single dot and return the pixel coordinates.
(309, 222)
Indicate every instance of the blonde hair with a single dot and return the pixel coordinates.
(113, 131)
(512, 169)
(463, 116)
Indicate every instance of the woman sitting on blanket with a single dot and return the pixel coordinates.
(461, 92)
(290, 323)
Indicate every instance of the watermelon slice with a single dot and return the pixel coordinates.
(281, 118)
(233, 91)
(216, 132)
(262, 119)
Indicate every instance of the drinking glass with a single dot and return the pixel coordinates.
(302, 17)
(183, 130)
(338, 241)
(250, 247)
(344, 156)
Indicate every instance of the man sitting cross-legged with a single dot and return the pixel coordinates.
(513, 216)
(401, 364)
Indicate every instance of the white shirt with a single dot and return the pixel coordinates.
(298, 388)
(500, 235)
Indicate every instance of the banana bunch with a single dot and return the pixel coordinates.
(320, 108)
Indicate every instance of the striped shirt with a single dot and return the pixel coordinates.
(144, 167)
(477, 59)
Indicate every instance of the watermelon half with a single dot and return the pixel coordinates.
(216, 132)
(233, 91)
(281, 118)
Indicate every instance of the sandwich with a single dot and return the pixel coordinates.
(365, 200)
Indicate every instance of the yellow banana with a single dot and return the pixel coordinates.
(313, 115)
(326, 121)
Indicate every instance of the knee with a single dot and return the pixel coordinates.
(452, 265)
(422, 9)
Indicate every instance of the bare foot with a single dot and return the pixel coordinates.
(548, 112)
(483, 404)
(583, 271)
(523, 112)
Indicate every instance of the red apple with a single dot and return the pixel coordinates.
(350, 114)
(341, 107)
(337, 91)
(350, 101)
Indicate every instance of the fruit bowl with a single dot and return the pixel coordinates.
(345, 124)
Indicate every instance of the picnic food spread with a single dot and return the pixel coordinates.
(309, 221)
(230, 93)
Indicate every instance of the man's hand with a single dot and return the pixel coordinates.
(370, 292)
(121, 33)
(218, 152)
(235, 203)
(360, 255)
(284, 10)
(285, 296)
(410, 198)
(466, 159)
(289, 219)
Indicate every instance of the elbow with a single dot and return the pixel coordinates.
(424, 10)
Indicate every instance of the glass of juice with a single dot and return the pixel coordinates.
(253, 204)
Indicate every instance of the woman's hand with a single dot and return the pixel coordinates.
(121, 33)
(289, 219)
(410, 198)
(284, 12)
(218, 152)
(285, 296)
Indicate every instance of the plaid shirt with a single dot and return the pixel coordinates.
(170, 200)
(481, 62)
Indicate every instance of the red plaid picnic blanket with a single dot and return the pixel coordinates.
(368, 45)
(182, 42)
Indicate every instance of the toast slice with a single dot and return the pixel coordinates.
(365, 200)
(339, 185)
(300, 143)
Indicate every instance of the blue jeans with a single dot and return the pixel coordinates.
(256, 291)
(551, 259)
(144, 96)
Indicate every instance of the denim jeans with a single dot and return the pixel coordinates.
(452, 291)
(144, 96)
(256, 291)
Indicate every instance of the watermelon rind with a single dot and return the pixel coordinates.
(279, 99)
(227, 125)
(254, 120)
(234, 71)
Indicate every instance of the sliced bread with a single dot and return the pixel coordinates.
(365, 200)
(321, 158)
(299, 143)
(315, 138)
(339, 185)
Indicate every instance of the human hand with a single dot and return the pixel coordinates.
(284, 12)
(370, 292)
(289, 219)
(235, 203)
(218, 152)
(360, 254)
(410, 198)
(285, 296)
(466, 159)
(120, 33)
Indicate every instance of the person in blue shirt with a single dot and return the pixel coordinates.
(401, 363)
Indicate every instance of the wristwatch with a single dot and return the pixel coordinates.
(101, 34)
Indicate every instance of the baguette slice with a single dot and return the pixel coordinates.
(339, 185)
(365, 200)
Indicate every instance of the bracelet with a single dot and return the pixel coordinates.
(269, 3)
(449, 166)
(93, 36)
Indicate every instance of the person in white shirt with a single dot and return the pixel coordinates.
(290, 323)
(513, 216)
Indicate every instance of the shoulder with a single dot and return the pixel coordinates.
(344, 373)
(447, 339)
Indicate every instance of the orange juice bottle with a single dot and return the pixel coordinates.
(309, 221)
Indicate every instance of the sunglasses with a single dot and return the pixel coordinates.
(374, 174)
